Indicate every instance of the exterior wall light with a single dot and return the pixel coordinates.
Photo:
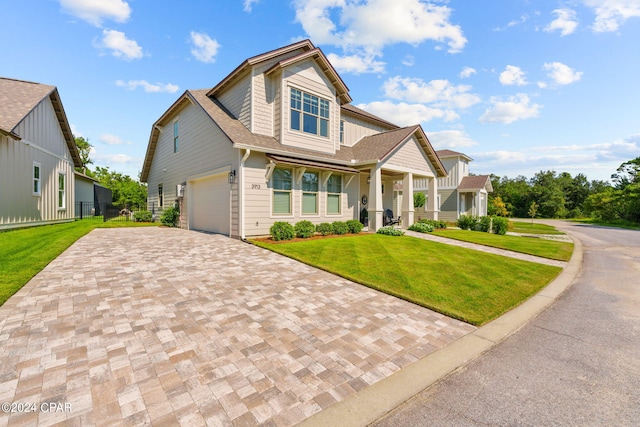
(232, 176)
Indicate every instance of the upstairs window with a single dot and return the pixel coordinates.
(341, 131)
(309, 113)
(175, 137)
(160, 195)
(36, 178)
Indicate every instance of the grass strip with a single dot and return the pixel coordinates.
(551, 249)
(26, 251)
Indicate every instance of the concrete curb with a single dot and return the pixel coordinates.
(382, 397)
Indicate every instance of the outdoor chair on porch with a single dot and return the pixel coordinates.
(389, 219)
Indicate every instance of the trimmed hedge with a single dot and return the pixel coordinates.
(355, 226)
(304, 229)
(281, 230)
(340, 227)
(324, 228)
(142, 216)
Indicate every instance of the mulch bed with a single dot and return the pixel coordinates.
(300, 239)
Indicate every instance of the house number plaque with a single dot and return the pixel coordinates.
(255, 186)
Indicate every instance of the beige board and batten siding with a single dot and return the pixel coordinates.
(355, 129)
(449, 205)
(307, 77)
(452, 180)
(203, 151)
(410, 158)
(258, 199)
(43, 142)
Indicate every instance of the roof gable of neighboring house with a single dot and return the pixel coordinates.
(18, 98)
(450, 153)
(476, 183)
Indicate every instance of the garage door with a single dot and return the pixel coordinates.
(210, 204)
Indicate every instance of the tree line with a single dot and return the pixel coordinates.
(553, 195)
(126, 192)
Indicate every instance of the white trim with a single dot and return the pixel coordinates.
(39, 192)
(44, 150)
(65, 186)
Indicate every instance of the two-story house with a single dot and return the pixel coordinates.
(278, 140)
(460, 193)
(37, 156)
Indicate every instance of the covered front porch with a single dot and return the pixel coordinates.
(387, 194)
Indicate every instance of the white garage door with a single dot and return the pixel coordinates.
(210, 204)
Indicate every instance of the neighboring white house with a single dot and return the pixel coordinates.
(278, 140)
(460, 193)
(37, 156)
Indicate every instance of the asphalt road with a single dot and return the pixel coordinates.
(576, 364)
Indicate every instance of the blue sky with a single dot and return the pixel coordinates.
(519, 85)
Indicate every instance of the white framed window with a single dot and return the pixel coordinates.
(282, 185)
(342, 132)
(176, 137)
(309, 113)
(36, 179)
(310, 193)
(62, 190)
(334, 191)
(160, 195)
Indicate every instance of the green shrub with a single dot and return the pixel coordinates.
(304, 229)
(340, 227)
(390, 231)
(355, 226)
(169, 217)
(421, 227)
(324, 228)
(435, 224)
(484, 224)
(467, 222)
(500, 225)
(142, 216)
(281, 230)
(419, 199)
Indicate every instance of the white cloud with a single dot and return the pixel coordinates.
(467, 72)
(610, 14)
(148, 87)
(562, 74)
(517, 107)
(450, 139)
(110, 139)
(97, 11)
(408, 61)
(120, 45)
(205, 48)
(355, 64)
(524, 18)
(565, 22)
(74, 130)
(405, 114)
(109, 159)
(440, 93)
(513, 75)
(248, 4)
(373, 24)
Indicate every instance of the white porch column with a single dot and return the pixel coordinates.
(432, 200)
(376, 210)
(407, 200)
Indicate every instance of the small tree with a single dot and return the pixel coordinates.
(499, 207)
(533, 210)
(419, 199)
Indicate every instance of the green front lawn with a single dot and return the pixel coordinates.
(26, 251)
(551, 249)
(469, 285)
(529, 228)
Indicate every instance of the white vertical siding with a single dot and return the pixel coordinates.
(41, 127)
(453, 179)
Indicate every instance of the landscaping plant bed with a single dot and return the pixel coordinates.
(270, 240)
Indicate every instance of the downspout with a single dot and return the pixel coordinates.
(247, 153)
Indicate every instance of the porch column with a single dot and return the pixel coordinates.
(407, 200)
(432, 200)
(376, 210)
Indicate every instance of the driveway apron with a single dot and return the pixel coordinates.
(166, 326)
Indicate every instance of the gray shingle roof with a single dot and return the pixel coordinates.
(18, 98)
(476, 182)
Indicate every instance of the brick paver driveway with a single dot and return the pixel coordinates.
(167, 326)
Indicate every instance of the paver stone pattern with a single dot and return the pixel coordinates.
(165, 326)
